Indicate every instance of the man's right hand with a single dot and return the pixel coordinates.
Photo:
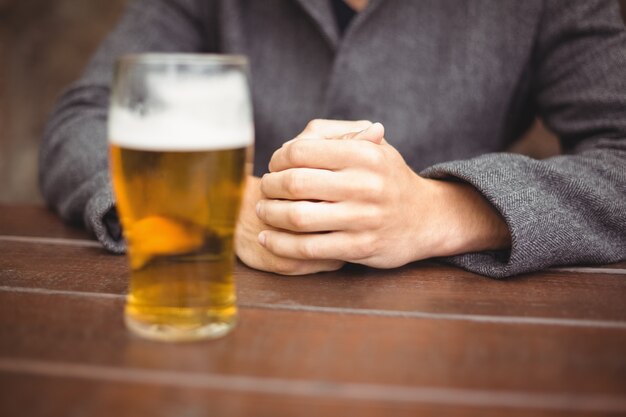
(250, 251)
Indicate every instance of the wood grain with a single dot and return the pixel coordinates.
(80, 396)
(421, 288)
(32, 220)
(309, 350)
(58, 396)
(38, 221)
(426, 338)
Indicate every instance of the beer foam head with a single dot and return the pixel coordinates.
(189, 113)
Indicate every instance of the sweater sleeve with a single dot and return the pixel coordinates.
(73, 161)
(569, 209)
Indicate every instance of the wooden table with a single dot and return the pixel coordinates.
(423, 339)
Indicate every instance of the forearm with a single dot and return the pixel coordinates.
(560, 211)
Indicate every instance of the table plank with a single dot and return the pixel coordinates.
(301, 347)
(39, 221)
(63, 395)
(36, 221)
(423, 338)
(421, 288)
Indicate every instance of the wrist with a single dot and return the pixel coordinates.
(469, 223)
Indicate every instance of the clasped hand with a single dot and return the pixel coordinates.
(339, 193)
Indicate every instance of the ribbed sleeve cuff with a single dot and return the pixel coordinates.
(98, 209)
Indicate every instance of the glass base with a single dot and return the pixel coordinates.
(177, 333)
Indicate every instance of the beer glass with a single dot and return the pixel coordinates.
(180, 136)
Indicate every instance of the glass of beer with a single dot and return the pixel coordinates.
(181, 137)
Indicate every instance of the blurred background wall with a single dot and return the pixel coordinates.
(44, 45)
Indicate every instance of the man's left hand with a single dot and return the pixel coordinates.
(356, 200)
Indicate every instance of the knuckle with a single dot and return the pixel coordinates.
(294, 153)
(307, 250)
(265, 183)
(373, 187)
(269, 243)
(296, 218)
(376, 186)
(372, 217)
(274, 163)
(314, 125)
(364, 247)
(374, 156)
(294, 184)
(376, 219)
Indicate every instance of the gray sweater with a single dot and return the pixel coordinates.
(453, 81)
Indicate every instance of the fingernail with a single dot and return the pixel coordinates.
(258, 209)
(262, 238)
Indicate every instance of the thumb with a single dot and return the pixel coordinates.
(375, 133)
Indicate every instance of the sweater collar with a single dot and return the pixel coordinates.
(321, 12)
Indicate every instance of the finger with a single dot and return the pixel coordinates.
(285, 266)
(304, 184)
(326, 129)
(316, 246)
(295, 267)
(254, 255)
(331, 129)
(374, 133)
(325, 154)
(307, 216)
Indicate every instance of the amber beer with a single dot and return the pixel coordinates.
(178, 179)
